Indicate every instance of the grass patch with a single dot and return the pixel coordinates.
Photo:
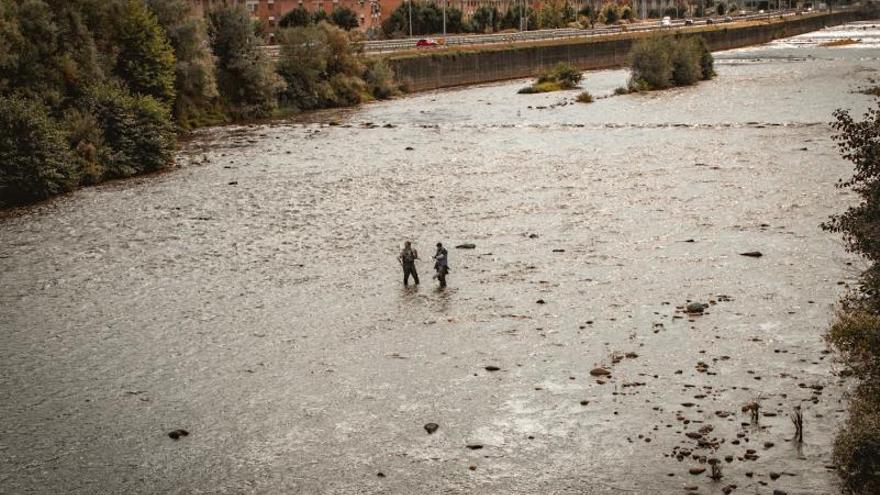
(843, 42)
(562, 77)
(584, 97)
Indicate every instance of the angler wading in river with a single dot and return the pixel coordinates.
(441, 264)
(407, 258)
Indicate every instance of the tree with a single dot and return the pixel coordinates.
(34, 157)
(245, 75)
(297, 17)
(195, 83)
(345, 18)
(721, 8)
(146, 59)
(321, 68)
(486, 18)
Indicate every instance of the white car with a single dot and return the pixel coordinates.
(666, 22)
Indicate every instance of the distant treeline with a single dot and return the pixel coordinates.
(92, 90)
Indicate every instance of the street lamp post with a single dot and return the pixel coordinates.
(444, 17)
(409, 2)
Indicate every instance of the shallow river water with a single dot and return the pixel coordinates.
(252, 296)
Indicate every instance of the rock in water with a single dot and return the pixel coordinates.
(176, 434)
(599, 372)
(431, 428)
(752, 254)
(492, 368)
(696, 307)
(466, 245)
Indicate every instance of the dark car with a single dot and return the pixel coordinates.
(688, 22)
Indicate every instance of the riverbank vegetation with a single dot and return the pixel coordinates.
(562, 76)
(97, 90)
(661, 62)
(856, 332)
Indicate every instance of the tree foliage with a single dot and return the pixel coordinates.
(34, 156)
(246, 77)
(195, 83)
(660, 62)
(146, 59)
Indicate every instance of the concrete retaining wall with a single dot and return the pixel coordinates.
(421, 72)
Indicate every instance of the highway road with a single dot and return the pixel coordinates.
(383, 46)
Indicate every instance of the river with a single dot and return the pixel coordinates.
(252, 296)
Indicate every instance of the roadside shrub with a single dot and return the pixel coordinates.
(584, 97)
(34, 158)
(721, 9)
(610, 13)
(627, 13)
(621, 91)
(137, 129)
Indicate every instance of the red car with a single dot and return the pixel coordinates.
(426, 42)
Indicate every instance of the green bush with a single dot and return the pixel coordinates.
(707, 61)
(85, 139)
(562, 76)
(856, 335)
(35, 162)
(137, 129)
(651, 63)
(379, 77)
(685, 58)
(584, 97)
(857, 446)
(660, 62)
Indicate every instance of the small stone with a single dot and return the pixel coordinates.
(176, 434)
(599, 372)
(774, 475)
(492, 368)
(380, 474)
(431, 428)
(475, 446)
(472, 467)
(779, 492)
(467, 245)
(697, 470)
(541, 301)
(752, 254)
(584, 402)
(409, 148)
